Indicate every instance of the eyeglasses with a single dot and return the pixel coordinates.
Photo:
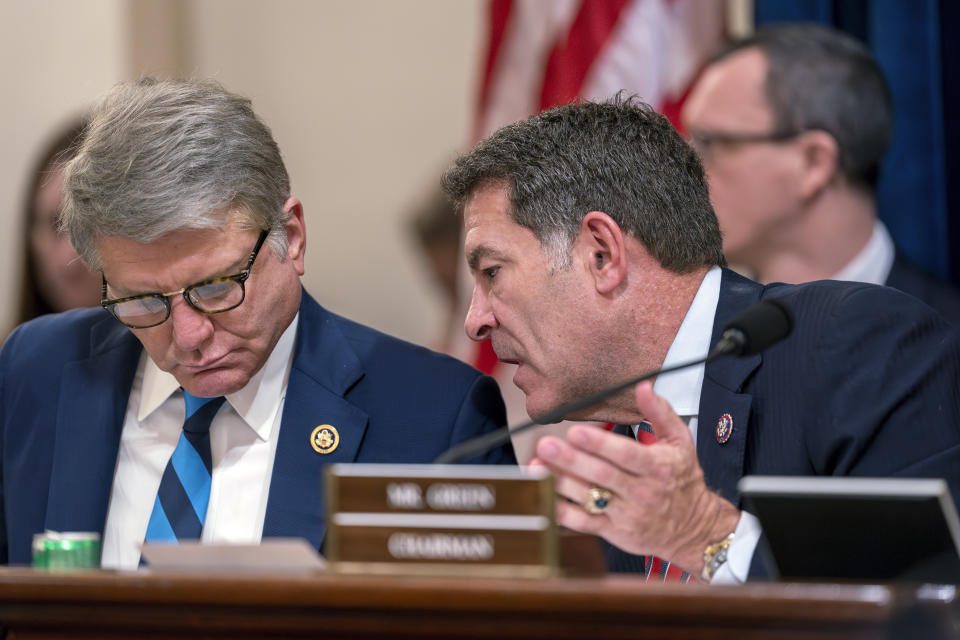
(702, 141)
(210, 296)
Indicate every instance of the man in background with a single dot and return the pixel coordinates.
(596, 257)
(207, 396)
(792, 124)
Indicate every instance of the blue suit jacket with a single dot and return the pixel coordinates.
(65, 380)
(867, 384)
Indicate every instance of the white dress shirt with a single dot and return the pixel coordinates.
(243, 441)
(682, 390)
(873, 263)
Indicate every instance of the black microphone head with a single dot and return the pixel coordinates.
(760, 326)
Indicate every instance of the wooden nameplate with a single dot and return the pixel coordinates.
(441, 519)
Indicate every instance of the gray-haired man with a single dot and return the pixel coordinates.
(179, 197)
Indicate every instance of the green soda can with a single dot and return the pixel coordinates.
(39, 546)
(56, 551)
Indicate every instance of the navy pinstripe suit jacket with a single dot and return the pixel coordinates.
(868, 384)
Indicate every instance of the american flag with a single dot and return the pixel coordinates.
(541, 53)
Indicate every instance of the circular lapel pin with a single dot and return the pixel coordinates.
(325, 439)
(724, 428)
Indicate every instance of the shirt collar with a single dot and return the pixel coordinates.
(257, 402)
(692, 342)
(874, 261)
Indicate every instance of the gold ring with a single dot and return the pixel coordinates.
(597, 500)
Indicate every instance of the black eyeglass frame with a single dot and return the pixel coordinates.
(239, 278)
(705, 139)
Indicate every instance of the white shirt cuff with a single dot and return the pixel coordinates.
(745, 539)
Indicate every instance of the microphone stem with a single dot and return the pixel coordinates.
(501, 436)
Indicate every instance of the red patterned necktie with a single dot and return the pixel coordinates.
(658, 568)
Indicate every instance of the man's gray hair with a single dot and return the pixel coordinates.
(160, 156)
(620, 157)
(820, 78)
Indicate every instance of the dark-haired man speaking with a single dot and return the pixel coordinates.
(597, 256)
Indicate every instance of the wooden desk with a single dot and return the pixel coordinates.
(97, 604)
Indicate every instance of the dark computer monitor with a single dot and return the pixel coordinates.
(856, 528)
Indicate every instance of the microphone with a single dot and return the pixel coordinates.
(754, 329)
(749, 332)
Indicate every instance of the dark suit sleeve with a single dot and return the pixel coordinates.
(885, 396)
(867, 385)
(4, 554)
(481, 411)
(11, 355)
(759, 566)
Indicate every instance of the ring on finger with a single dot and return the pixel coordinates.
(598, 499)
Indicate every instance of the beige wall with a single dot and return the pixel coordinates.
(368, 99)
(55, 56)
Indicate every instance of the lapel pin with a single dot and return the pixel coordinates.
(724, 428)
(325, 439)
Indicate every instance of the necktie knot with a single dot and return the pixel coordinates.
(200, 412)
(645, 433)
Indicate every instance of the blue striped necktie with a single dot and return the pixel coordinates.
(181, 504)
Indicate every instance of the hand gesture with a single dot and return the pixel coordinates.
(656, 499)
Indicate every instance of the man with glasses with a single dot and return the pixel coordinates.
(792, 124)
(209, 403)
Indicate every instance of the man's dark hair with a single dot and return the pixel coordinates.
(820, 78)
(619, 157)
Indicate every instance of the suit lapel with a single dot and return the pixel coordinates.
(722, 463)
(721, 396)
(93, 400)
(324, 369)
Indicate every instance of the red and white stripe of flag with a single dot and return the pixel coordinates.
(541, 53)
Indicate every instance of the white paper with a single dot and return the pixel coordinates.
(273, 555)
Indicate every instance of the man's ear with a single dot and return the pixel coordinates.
(820, 162)
(296, 233)
(600, 246)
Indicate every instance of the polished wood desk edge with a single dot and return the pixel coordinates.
(584, 595)
(118, 605)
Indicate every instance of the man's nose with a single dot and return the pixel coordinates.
(191, 328)
(480, 318)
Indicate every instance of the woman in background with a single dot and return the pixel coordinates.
(53, 277)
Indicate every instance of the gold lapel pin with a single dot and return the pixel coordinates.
(325, 439)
